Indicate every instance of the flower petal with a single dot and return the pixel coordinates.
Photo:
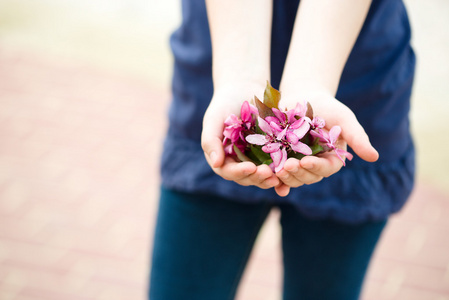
(302, 130)
(308, 120)
(254, 110)
(342, 153)
(282, 134)
(264, 126)
(232, 120)
(276, 157)
(270, 119)
(271, 147)
(256, 139)
(245, 112)
(232, 132)
(275, 127)
(291, 115)
(292, 138)
(229, 149)
(321, 134)
(334, 133)
(297, 123)
(318, 122)
(280, 115)
(301, 110)
(279, 159)
(301, 148)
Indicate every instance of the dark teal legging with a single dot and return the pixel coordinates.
(202, 244)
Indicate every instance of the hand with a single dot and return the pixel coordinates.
(309, 170)
(312, 169)
(228, 100)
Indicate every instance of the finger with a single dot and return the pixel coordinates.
(289, 179)
(270, 182)
(297, 175)
(282, 190)
(327, 164)
(356, 137)
(212, 142)
(232, 170)
(263, 178)
(300, 177)
(285, 175)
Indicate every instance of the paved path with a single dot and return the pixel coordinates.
(78, 189)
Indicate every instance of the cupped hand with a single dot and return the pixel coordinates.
(227, 101)
(312, 169)
(309, 170)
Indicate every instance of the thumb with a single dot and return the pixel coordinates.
(211, 142)
(356, 138)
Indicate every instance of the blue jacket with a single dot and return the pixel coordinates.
(376, 84)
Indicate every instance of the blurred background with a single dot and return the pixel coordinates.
(84, 88)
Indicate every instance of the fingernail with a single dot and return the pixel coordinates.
(213, 157)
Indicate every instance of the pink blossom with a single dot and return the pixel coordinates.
(296, 132)
(289, 117)
(272, 142)
(282, 132)
(296, 128)
(280, 135)
(299, 111)
(318, 122)
(235, 127)
(329, 139)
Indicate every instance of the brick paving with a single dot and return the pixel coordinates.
(78, 190)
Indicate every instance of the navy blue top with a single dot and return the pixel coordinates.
(376, 84)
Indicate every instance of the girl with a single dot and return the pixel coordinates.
(352, 60)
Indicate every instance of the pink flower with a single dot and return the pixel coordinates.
(280, 135)
(229, 147)
(296, 132)
(233, 129)
(290, 116)
(235, 126)
(329, 139)
(296, 128)
(272, 142)
(318, 122)
(299, 111)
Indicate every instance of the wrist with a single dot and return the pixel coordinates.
(306, 87)
(304, 91)
(243, 89)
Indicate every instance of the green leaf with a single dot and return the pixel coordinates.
(317, 148)
(268, 162)
(240, 155)
(257, 128)
(253, 158)
(271, 96)
(296, 155)
(261, 156)
(264, 111)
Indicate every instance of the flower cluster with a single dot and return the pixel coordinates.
(264, 134)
